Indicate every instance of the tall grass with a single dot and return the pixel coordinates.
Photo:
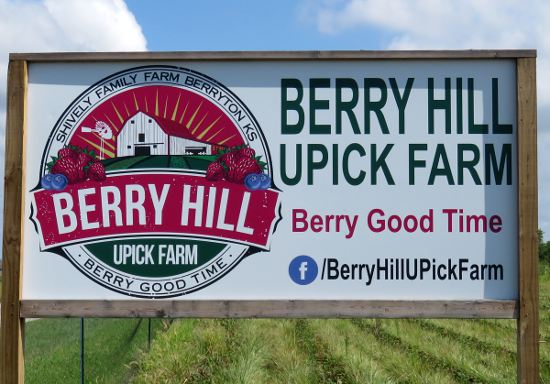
(343, 351)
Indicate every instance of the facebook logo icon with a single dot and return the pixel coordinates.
(303, 270)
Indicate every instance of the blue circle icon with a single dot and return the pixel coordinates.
(303, 270)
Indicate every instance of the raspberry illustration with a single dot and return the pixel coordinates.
(230, 159)
(247, 152)
(235, 164)
(83, 159)
(74, 163)
(69, 167)
(96, 172)
(245, 166)
(215, 171)
(66, 152)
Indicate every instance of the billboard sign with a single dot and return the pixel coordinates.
(358, 180)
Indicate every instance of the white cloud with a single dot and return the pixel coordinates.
(62, 25)
(465, 24)
(434, 24)
(57, 25)
(97, 24)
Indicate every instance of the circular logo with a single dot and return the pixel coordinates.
(142, 183)
(303, 270)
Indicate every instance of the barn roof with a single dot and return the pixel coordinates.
(172, 128)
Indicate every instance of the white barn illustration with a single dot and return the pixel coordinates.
(143, 135)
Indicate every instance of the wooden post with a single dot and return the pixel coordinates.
(11, 352)
(528, 320)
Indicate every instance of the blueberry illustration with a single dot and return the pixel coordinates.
(252, 181)
(265, 181)
(59, 182)
(46, 181)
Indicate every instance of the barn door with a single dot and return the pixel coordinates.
(144, 150)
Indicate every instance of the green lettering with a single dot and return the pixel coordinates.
(334, 164)
(472, 127)
(380, 163)
(497, 127)
(413, 163)
(345, 164)
(468, 164)
(312, 164)
(291, 105)
(315, 105)
(298, 175)
(443, 104)
(441, 156)
(401, 101)
(459, 124)
(346, 106)
(375, 106)
(491, 166)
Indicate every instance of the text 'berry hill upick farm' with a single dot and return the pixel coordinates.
(152, 187)
(360, 110)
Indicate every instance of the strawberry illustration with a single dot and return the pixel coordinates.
(67, 166)
(96, 171)
(215, 171)
(245, 166)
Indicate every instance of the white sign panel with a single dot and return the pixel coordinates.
(271, 180)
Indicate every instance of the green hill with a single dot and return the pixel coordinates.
(196, 162)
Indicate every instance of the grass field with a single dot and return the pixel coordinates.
(52, 349)
(282, 351)
(342, 351)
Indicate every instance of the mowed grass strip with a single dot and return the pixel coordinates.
(429, 352)
(470, 360)
(499, 350)
(328, 368)
(404, 363)
(369, 361)
(488, 339)
(52, 349)
(465, 333)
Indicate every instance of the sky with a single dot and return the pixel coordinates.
(171, 25)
